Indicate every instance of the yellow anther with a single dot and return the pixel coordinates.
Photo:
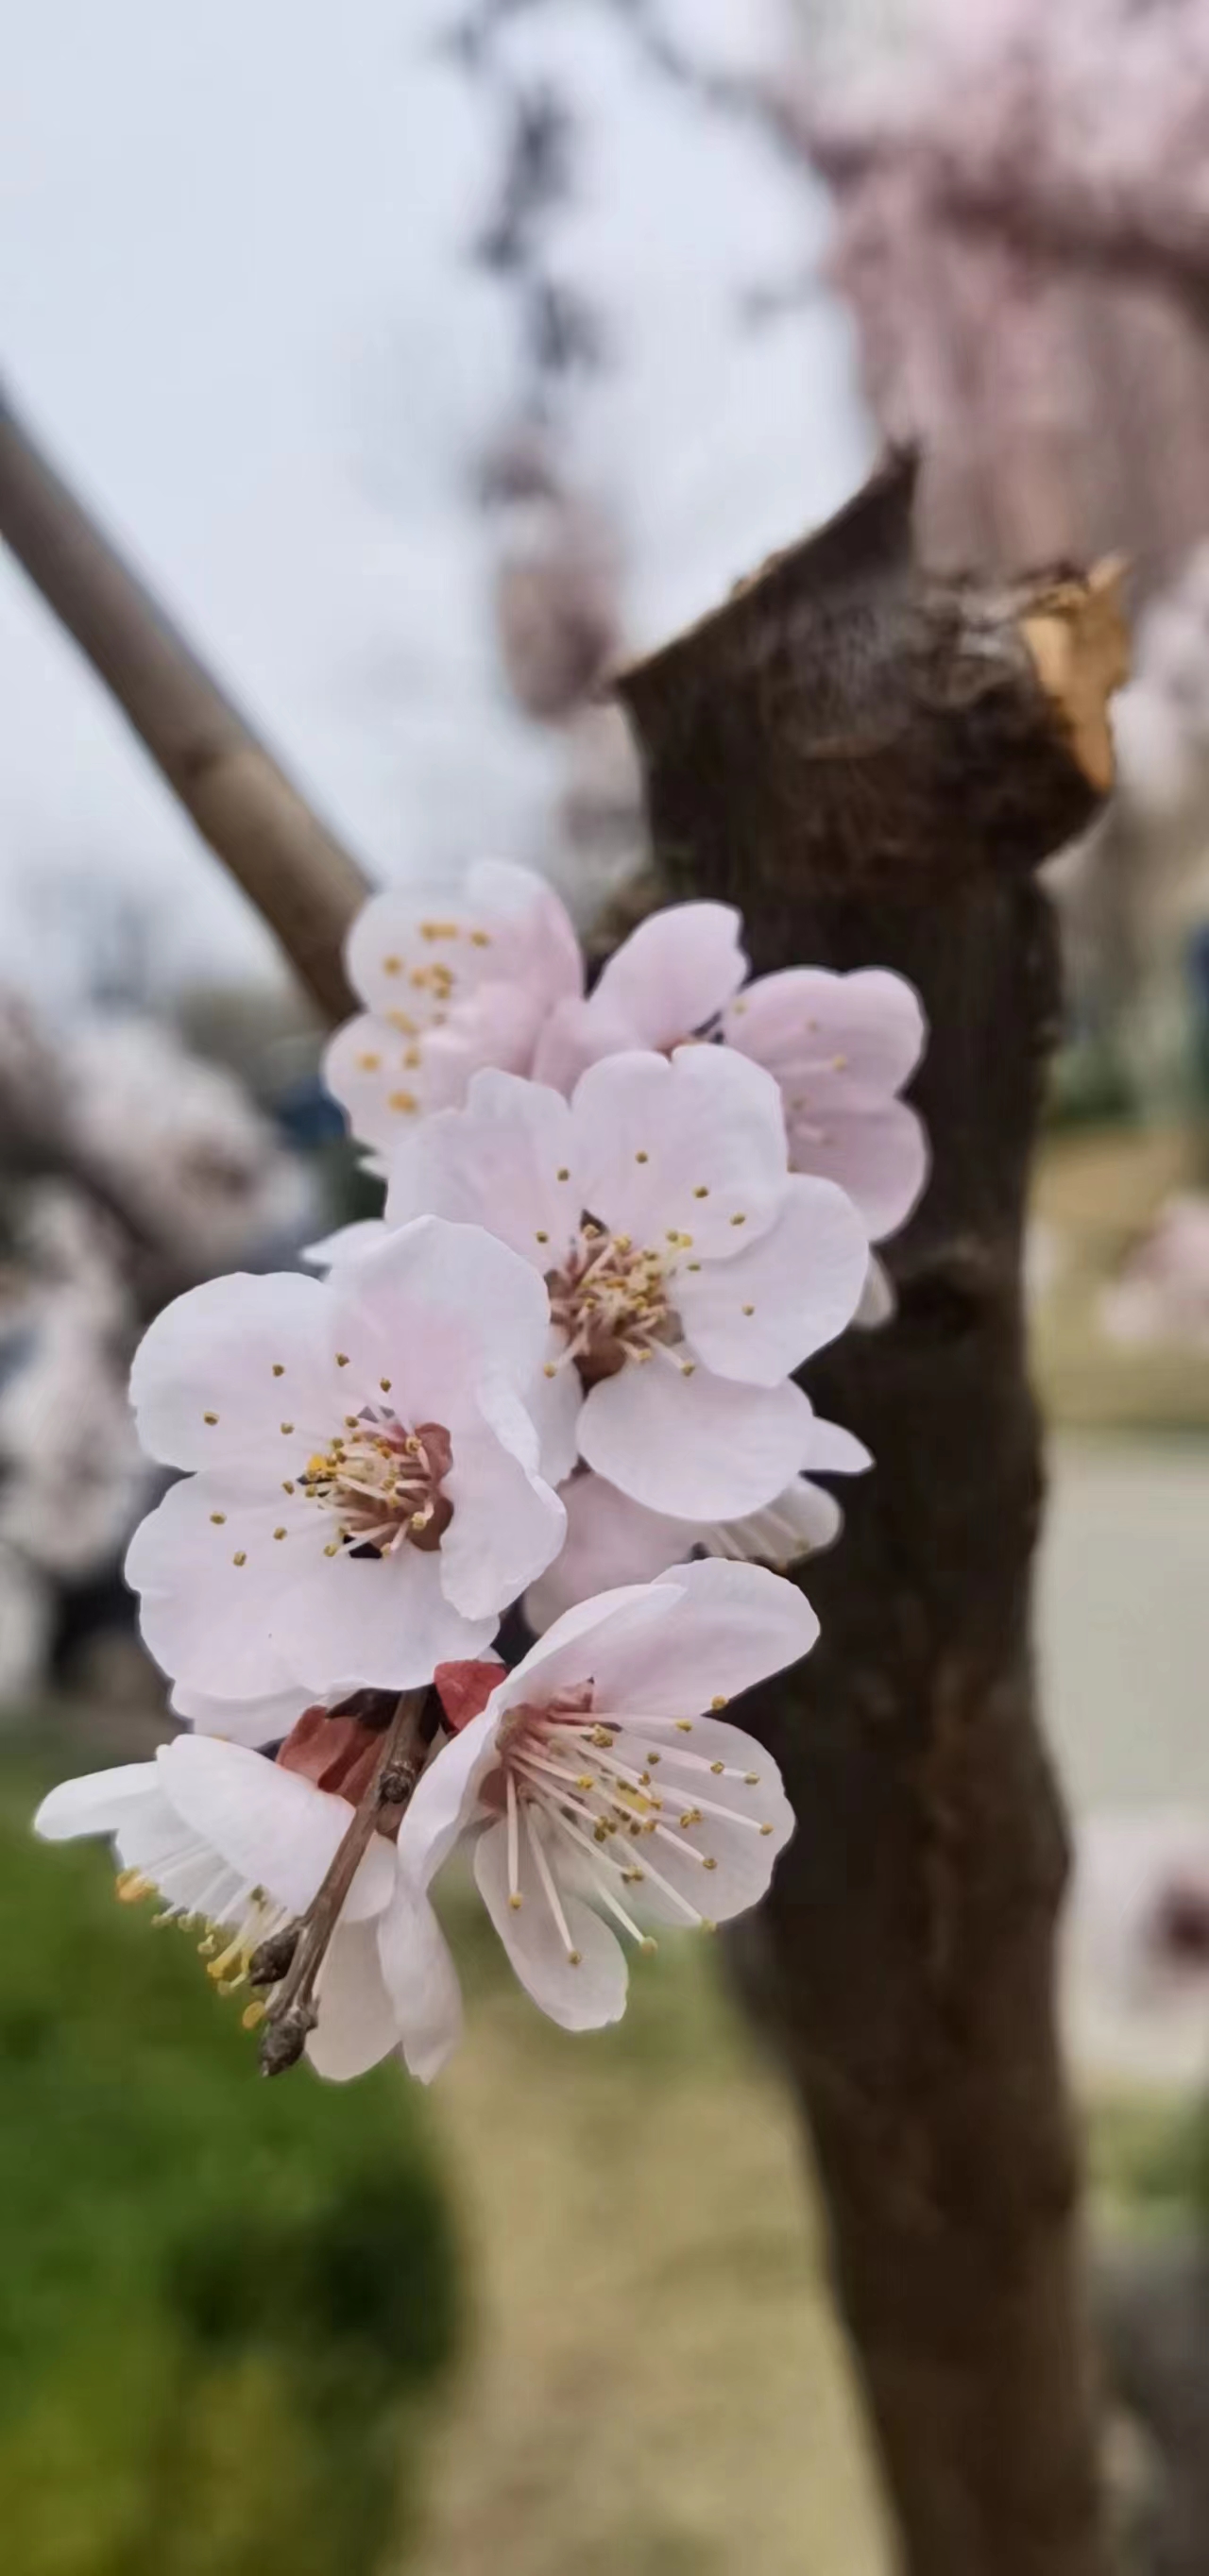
(287, 1485)
(641, 1157)
(385, 1384)
(403, 1100)
(541, 1237)
(749, 1310)
(287, 1428)
(392, 965)
(350, 1421)
(480, 939)
(562, 1174)
(738, 1220)
(401, 1021)
(240, 1557)
(210, 1418)
(131, 1885)
(438, 930)
(688, 1368)
(694, 1265)
(839, 1064)
(549, 1369)
(718, 1700)
(691, 1816)
(369, 1062)
(751, 1779)
(717, 1768)
(766, 1829)
(218, 1518)
(575, 1958)
(585, 1781)
(648, 1946)
(332, 1548)
(685, 1724)
(516, 1903)
(342, 1359)
(279, 1533)
(701, 1191)
(252, 2015)
(708, 1861)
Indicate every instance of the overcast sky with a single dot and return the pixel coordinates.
(236, 304)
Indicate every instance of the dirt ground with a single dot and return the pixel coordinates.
(655, 2384)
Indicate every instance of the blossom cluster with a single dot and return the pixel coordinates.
(559, 1370)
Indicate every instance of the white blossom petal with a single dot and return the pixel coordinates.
(445, 1800)
(253, 1721)
(421, 1980)
(97, 1803)
(357, 2025)
(611, 1540)
(719, 1630)
(700, 1447)
(583, 1996)
(273, 1826)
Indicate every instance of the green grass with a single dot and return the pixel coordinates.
(222, 2300)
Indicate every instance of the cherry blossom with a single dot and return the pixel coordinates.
(238, 1848)
(447, 987)
(596, 1797)
(612, 1539)
(688, 1271)
(364, 1495)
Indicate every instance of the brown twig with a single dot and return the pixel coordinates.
(293, 2012)
(300, 878)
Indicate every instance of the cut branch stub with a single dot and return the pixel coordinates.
(900, 736)
(874, 766)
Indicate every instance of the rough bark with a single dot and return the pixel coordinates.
(291, 867)
(872, 767)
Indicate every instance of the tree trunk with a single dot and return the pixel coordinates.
(290, 866)
(872, 767)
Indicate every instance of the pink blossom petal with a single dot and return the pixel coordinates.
(878, 1155)
(580, 1997)
(761, 1314)
(836, 1452)
(203, 1384)
(497, 1164)
(695, 1146)
(675, 972)
(357, 2025)
(505, 927)
(271, 1826)
(507, 1522)
(421, 1981)
(435, 1295)
(610, 1540)
(215, 1584)
(388, 1082)
(378, 1624)
(805, 1014)
(700, 1447)
(576, 1035)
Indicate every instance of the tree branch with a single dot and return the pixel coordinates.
(873, 766)
(291, 867)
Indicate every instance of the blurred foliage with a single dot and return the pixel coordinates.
(223, 2299)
